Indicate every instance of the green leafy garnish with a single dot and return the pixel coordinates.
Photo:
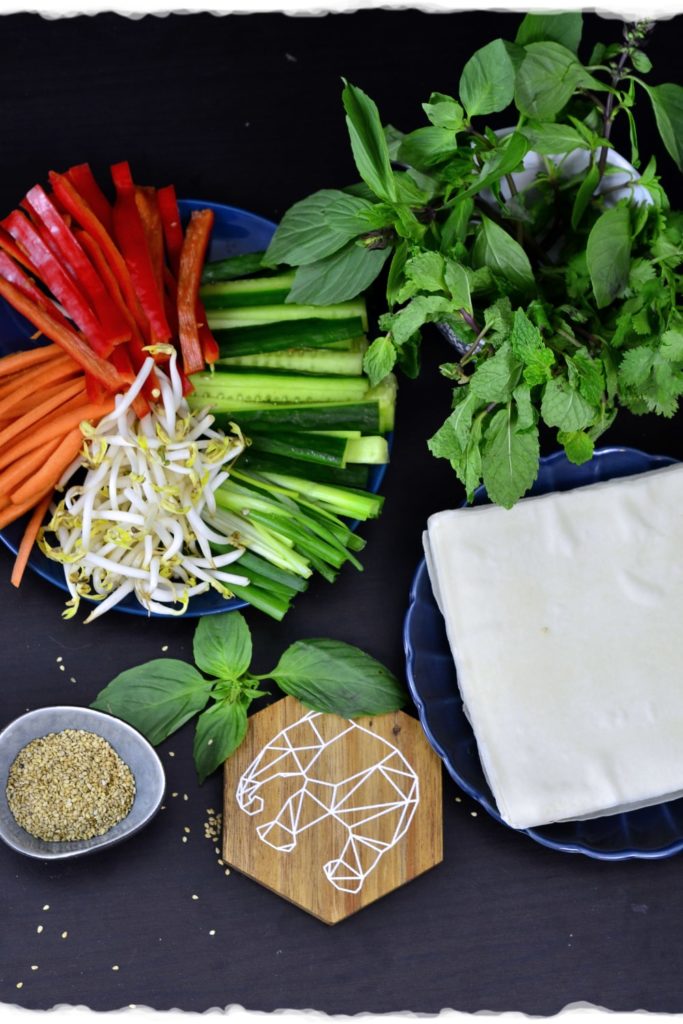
(162, 695)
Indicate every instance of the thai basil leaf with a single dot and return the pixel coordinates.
(343, 275)
(565, 29)
(554, 138)
(219, 732)
(444, 112)
(368, 143)
(547, 79)
(487, 83)
(379, 360)
(222, 645)
(510, 457)
(427, 147)
(585, 194)
(506, 158)
(155, 698)
(337, 678)
(457, 224)
(667, 104)
(608, 254)
(316, 227)
(496, 249)
(396, 275)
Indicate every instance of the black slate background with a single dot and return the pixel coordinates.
(246, 110)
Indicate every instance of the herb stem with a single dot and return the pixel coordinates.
(633, 35)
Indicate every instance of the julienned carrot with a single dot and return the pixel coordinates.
(39, 413)
(12, 511)
(71, 342)
(50, 472)
(32, 400)
(39, 372)
(27, 465)
(18, 361)
(55, 427)
(28, 540)
(70, 378)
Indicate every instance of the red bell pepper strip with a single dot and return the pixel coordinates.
(210, 349)
(173, 229)
(171, 299)
(10, 246)
(57, 280)
(146, 202)
(83, 180)
(191, 263)
(69, 340)
(114, 327)
(130, 235)
(15, 275)
(73, 202)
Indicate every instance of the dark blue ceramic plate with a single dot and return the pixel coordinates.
(235, 231)
(652, 832)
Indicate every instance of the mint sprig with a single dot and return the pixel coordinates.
(157, 698)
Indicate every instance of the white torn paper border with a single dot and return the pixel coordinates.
(574, 1013)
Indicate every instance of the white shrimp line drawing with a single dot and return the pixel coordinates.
(298, 752)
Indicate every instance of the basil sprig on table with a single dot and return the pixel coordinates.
(162, 695)
(567, 308)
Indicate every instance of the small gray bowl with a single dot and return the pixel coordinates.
(131, 747)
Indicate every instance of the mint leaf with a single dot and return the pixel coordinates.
(578, 446)
(509, 458)
(316, 227)
(341, 276)
(451, 438)
(458, 284)
(495, 379)
(496, 249)
(444, 112)
(487, 82)
(589, 374)
(667, 104)
(219, 732)
(558, 28)
(222, 645)
(564, 407)
(608, 254)
(526, 411)
(379, 360)
(337, 678)
(155, 698)
(421, 310)
(529, 348)
(368, 143)
(426, 271)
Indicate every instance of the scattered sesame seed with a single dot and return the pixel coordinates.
(115, 967)
(34, 967)
(473, 814)
(60, 658)
(209, 743)
(186, 829)
(165, 647)
(458, 800)
(20, 984)
(64, 934)
(46, 907)
(212, 932)
(171, 753)
(174, 794)
(184, 839)
(217, 850)
(194, 897)
(62, 669)
(185, 796)
(221, 862)
(39, 928)
(72, 679)
(227, 871)
(163, 807)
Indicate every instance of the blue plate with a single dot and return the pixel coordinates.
(234, 232)
(650, 833)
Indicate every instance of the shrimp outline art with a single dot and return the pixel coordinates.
(318, 799)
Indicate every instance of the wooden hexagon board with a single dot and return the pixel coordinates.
(330, 813)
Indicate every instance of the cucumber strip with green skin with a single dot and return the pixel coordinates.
(222, 389)
(314, 332)
(371, 451)
(363, 416)
(242, 265)
(326, 451)
(223, 319)
(337, 433)
(343, 501)
(354, 475)
(302, 360)
(249, 291)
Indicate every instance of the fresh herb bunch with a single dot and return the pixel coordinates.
(563, 292)
(162, 695)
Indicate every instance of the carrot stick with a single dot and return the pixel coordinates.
(12, 512)
(29, 357)
(28, 540)
(33, 382)
(50, 472)
(39, 413)
(26, 465)
(53, 428)
(28, 403)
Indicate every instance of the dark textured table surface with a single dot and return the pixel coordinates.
(246, 110)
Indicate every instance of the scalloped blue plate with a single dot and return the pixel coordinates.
(650, 833)
(234, 232)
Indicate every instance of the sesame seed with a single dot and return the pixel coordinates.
(473, 814)
(165, 647)
(458, 800)
(34, 967)
(115, 967)
(186, 829)
(64, 934)
(212, 932)
(194, 897)
(46, 907)
(227, 871)
(221, 862)
(62, 669)
(184, 839)
(60, 658)
(174, 794)
(185, 796)
(171, 753)
(20, 984)
(72, 679)
(209, 743)
(39, 928)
